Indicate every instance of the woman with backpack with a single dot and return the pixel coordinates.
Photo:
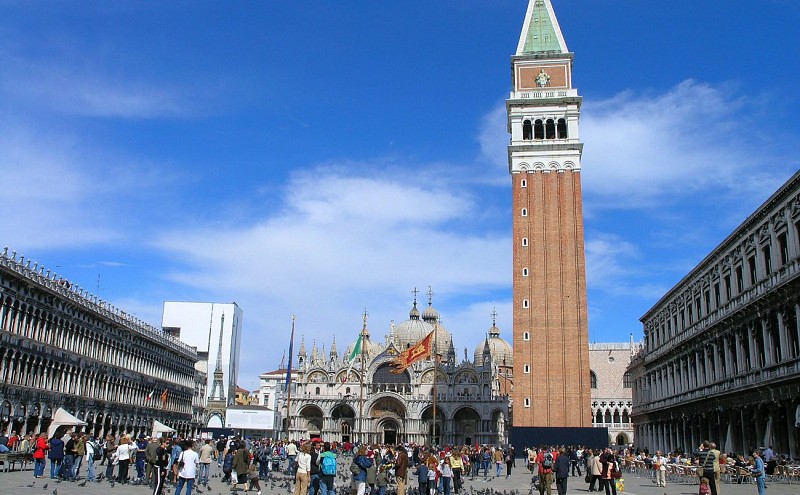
(327, 470)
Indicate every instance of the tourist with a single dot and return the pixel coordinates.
(302, 477)
(704, 488)
(457, 464)
(706, 458)
(660, 466)
(110, 455)
(241, 464)
(150, 459)
(123, 457)
(187, 469)
(80, 453)
(327, 468)
(69, 457)
(372, 473)
(561, 469)
(252, 477)
(401, 469)
(574, 460)
(89, 448)
(160, 462)
(56, 456)
(313, 484)
(362, 462)
(498, 458)
(758, 472)
(39, 452)
(546, 460)
(608, 466)
(227, 465)
(206, 456)
(509, 459)
(445, 476)
(422, 477)
(141, 453)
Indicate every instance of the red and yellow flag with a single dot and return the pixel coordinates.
(420, 350)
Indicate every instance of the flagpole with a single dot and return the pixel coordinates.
(361, 384)
(288, 383)
(435, 372)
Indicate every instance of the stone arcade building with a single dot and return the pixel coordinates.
(721, 352)
(62, 347)
(472, 395)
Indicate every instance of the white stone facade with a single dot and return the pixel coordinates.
(612, 396)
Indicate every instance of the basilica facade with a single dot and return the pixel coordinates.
(460, 401)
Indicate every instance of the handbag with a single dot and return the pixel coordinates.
(588, 478)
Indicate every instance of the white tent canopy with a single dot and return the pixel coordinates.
(159, 428)
(63, 418)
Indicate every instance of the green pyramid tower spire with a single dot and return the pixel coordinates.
(541, 32)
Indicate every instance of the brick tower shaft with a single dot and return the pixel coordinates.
(551, 350)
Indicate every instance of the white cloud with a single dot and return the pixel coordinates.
(341, 243)
(646, 150)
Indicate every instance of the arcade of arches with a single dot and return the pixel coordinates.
(60, 347)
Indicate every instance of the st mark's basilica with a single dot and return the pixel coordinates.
(472, 402)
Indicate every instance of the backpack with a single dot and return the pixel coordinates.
(354, 468)
(547, 462)
(328, 465)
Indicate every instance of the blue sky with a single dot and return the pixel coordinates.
(320, 158)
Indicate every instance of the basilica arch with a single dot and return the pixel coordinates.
(343, 419)
(388, 415)
(466, 426)
(311, 420)
(433, 432)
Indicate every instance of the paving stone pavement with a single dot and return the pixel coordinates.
(519, 483)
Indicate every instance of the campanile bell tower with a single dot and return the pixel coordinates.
(551, 350)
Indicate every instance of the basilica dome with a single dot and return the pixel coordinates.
(502, 354)
(415, 329)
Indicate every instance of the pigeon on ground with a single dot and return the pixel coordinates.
(82, 484)
(44, 487)
(55, 491)
(31, 485)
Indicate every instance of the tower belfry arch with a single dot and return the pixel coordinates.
(549, 285)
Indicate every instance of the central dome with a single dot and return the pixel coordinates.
(415, 329)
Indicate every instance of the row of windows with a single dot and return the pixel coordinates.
(544, 129)
(745, 274)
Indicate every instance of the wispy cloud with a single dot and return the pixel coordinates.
(76, 86)
(644, 150)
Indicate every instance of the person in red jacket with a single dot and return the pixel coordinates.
(546, 461)
(39, 454)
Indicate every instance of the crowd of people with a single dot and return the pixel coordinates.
(312, 465)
